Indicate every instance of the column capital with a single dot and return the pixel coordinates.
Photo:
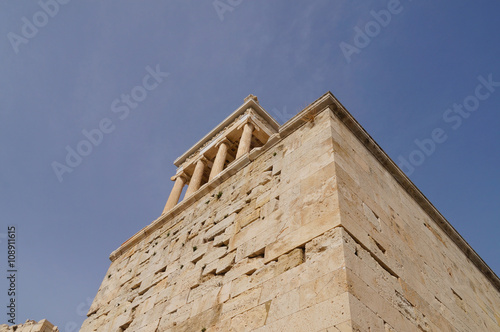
(225, 141)
(181, 175)
(201, 158)
(248, 120)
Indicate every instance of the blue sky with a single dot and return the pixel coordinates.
(62, 78)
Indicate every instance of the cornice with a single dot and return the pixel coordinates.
(214, 133)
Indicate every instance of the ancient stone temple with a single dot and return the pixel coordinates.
(305, 226)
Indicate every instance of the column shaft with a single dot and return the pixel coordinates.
(246, 140)
(219, 161)
(195, 182)
(175, 194)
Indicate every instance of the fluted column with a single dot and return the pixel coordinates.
(195, 182)
(175, 194)
(246, 140)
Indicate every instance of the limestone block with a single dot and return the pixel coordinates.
(236, 205)
(224, 293)
(288, 261)
(371, 217)
(30, 326)
(250, 319)
(247, 233)
(177, 301)
(323, 288)
(150, 326)
(219, 228)
(220, 326)
(198, 253)
(122, 320)
(146, 283)
(207, 301)
(255, 191)
(206, 285)
(380, 306)
(189, 279)
(245, 266)
(240, 303)
(210, 268)
(242, 284)
(264, 178)
(283, 305)
(341, 327)
(363, 319)
(276, 285)
(256, 245)
(304, 234)
(277, 165)
(251, 217)
(328, 240)
(261, 275)
(177, 321)
(322, 183)
(157, 311)
(364, 266)
(271, 207)
(147, 304)
(225, 263)
(212, 255)
(320, 316)
(223, 239)
(262, 199)
(327, 261)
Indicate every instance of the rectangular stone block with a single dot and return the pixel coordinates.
(320, 316)
(225, 263)
(323, 288)
(248, 219)
(283, 305)
(240, 303)
(301, 236)
(289, 261)
(250, 319)
(257, 227)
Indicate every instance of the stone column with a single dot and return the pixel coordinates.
(195, 182)
(220, 159)
(175, 194)
(246, 140)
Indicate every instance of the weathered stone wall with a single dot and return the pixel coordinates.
(245, 260)
(312, 235)
(30, 326)
(404, 272)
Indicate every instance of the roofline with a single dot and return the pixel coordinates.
(240, 110)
